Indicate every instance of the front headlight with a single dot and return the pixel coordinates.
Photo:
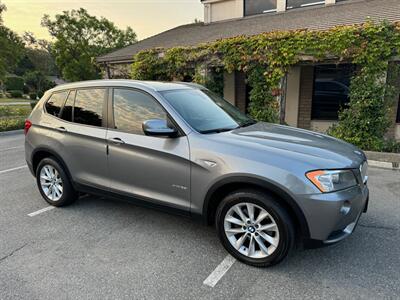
(330, 181)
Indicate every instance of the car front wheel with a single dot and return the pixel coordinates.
(254, 228)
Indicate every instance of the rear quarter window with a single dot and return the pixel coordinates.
(55, 102)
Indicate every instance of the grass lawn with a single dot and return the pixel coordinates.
(13, 116)
(8, 100)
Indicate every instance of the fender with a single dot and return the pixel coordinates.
(53, 153)
(264, 184)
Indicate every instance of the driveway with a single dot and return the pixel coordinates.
(100, 248)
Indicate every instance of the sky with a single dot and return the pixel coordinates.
(146, 17)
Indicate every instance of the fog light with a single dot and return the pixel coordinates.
(345, 209)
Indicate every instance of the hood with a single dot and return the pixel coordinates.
(315, 148)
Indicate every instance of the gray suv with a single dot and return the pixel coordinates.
(182, 148)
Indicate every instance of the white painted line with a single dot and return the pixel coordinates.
(35, 213)
(219, 271)
(13, 169)
(11, 148)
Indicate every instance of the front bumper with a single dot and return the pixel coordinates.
(331, 217)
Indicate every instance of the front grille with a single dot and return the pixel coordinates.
(364, 172)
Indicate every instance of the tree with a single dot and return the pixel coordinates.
(37, 81)
(80, 38)
(11, 47)
(37, 56)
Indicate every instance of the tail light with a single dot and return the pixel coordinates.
(28, 125)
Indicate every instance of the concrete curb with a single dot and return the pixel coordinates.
(11, 132)
(383, 160)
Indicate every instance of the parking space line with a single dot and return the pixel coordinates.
(219, 271)
(13, 169)
(11, 148)
(35, 213)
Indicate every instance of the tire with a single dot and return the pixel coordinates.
(57, 178)
(267, 241)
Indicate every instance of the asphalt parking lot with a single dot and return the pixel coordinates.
(103, 249)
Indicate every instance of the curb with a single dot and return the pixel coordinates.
(11, 132)
(384, 165)
(383, 160)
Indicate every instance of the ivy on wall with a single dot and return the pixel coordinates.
(266, 59)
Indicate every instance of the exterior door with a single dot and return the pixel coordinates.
(154, 168)
(82, 138)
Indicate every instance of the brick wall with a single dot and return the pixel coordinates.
(305, 98)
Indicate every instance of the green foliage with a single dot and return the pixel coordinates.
(14, 111)
(32, 96)
(37, 81)
(15, 93)
(11, 124)
(266, 58)
(80, 38)
(13, 82)
(11, 48)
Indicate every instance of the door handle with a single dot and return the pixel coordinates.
(61, 129)
(116, 141)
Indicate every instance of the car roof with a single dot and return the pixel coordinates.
(150, 85)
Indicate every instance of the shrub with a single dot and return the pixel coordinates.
(11, 124)
(14, 111)
(40, 94)
(33, 104)
(15, 94)
(32, 96)
(25, 89)
(13, 82)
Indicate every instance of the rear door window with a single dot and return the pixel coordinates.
(54, 104)
(88, 108)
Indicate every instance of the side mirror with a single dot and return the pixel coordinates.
(158, 127)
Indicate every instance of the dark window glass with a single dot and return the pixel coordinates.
(54, 104)
(132, 108)
(253, 7)
(66, 113)
(398, 112)
(205, 111)
(300, 3)
(88, 108)
(331, 90)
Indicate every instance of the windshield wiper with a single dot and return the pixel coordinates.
(248, 123)
(217, 130)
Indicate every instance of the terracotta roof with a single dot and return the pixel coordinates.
(315, 17)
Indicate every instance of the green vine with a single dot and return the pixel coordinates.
(266, 58)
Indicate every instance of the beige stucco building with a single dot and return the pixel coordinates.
(314, 92)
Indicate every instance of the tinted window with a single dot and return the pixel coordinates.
(132, 108)
(253, 7)
(301, 3)
(331, 90)
(68, 106)
(54, 104)
(205, 111)
(88, 107)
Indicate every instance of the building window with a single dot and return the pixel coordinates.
(331, 90)
(254, 7)
(302, 3)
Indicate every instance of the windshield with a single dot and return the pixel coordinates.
(205, 111)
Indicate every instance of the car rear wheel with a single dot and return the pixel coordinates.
(254, 228)
(54, 184)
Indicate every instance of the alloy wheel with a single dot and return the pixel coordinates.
(51, 183)
(251, 230)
